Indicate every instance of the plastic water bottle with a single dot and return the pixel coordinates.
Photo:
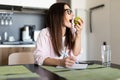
(106, 55)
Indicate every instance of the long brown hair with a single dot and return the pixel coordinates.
(54, 22)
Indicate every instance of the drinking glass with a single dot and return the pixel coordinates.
(2, 19)
(6, 19)
(10, 19)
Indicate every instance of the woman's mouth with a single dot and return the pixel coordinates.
(70, 21)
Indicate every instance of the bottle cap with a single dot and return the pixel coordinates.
(104, 43)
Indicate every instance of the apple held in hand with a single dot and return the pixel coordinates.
(76, 20)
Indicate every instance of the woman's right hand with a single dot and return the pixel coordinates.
(67, 61)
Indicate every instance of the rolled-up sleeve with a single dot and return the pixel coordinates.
(42, 49)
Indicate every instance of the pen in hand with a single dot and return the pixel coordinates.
(69, 60)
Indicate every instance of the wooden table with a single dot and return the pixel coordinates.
(48, 75)
(43, 73)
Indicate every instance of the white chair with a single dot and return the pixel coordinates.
(21, 58)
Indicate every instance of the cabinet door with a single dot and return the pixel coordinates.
(0, 56)
(10, 2)
(37, 3)
(7, 51)
(28, 49)
(29, 3)
(5, 54)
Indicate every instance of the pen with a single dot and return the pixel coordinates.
(76, 62)
(68, 55)
(65, 55)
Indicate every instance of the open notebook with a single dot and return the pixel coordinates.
(76, 66)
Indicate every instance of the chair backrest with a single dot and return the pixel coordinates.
(21, 58)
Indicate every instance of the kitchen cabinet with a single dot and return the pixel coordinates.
(29, 3)
(37, 3)
(0, 57)
(10, 2)
(6, 51)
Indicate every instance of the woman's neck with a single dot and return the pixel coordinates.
(63, 31)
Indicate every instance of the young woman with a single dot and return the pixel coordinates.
(59, 43)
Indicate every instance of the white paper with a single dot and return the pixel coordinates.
(76, 66)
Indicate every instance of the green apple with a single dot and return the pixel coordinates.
(76, 20)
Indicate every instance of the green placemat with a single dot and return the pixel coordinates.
(93, 72)
(54, 69)
(28, 75)
(15, 72)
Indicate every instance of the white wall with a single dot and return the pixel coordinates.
(100, 28)
(78, 4)
(115, 30)
(80, 7)
(91, 42)
(106, 27)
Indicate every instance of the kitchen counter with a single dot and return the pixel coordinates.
(17, 44)
(23, 45)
